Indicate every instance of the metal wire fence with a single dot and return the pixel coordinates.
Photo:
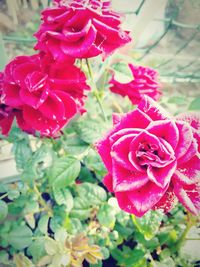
(175, 48)
(166, 35)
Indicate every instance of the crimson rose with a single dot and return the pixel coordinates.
(80, 29)
(48, 94)
(151, 157)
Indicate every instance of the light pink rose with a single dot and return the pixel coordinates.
(145, 82)
(153, 158)
(80, 29)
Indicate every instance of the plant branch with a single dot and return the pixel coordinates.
(183, 237)
(95, 92)
(4, 195)
(42, 202)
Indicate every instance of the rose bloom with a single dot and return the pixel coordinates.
(80, 29)
(152, 159)
(145, 82)
(48, 94)
(7, 114)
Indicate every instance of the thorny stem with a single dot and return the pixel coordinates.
(42, 202)
(95, 92)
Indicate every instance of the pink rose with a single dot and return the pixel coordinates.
(152, 159)
(145, 82)
(48, 94)
(80, 29)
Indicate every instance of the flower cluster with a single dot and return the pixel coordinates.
(44, 91)
(152, 159)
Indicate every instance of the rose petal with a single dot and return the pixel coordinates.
(189, 172)
(120, 151)
(125, 180)
(167, 202)
(152, 109)
(108, 182)
(134, 119)
(140, 201)
(185, 139)
(161, 176)
(165, 129)
(53, 108)
(80, 48)
(11, 95)
(188, 195)
(103, 148)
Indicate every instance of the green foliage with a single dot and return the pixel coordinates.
(128, 257)
(63, 172)
(20, 237)
(3, 210)
(106, 216)
(195, 104)
(148, 224)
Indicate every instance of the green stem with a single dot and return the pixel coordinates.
(4, 195)
(42, 202)
(95, 92)
(182, 239)
(89, 70)
(18, 39)
(192, 238)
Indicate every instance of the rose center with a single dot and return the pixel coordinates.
(147, 153)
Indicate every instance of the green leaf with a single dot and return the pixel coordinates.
(63, 197)
(149, 224)
(195, 104)
(89, 195)
(31, 207)
(106, 216)
(128, 257)
(37, 163)
(63, 172)
(20, 237)
(74, 145)
(165, 263)
(99, 264)
(75, 226)
(93, 193)
(4, 257)
(179, 100)
(94, 163)
(22, 153)
(81, 209)
(43, 224)
(90, 130)
(37, 249)
(13, 194)
(3, 210)
(86, 175)
(21, 260)
(123, 73)
(51, 246)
